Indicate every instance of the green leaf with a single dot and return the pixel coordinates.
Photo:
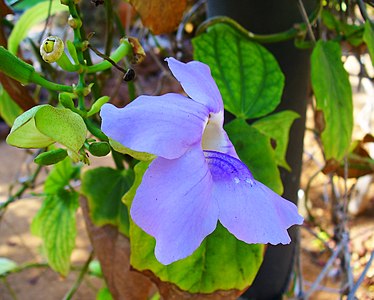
(334, 98)
(43, 125)
(62, 125)
(259, 156)
(247, 75)
(24, 133)
(55, 223)
(221, 262)
(104, 294)
(6, 265)
(277, 127)
(9, 110)
(104, 188)
(60, 176)
(352, 33)
(369, 39)
(137, 155)
(31, 17)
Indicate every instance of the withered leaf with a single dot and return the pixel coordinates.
(160, 16)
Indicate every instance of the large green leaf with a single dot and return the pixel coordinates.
(31, 17)
(277, 127)
(9, 110)
(334, 98)
(369, 39)
(55, 224)
(259, 156)
(221, 262)
(104, 189)
(247, 75)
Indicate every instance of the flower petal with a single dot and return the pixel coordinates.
(164, 125)
(198, 83)
(173, 204)
(247, 208)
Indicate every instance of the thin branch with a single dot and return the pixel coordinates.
(353, 291)
(304, 15)
(79, 280)
(25, 185)
(46, 22)
(327, 266)
(363, 11)
(106, 57)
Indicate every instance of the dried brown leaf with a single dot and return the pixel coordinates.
(113, 251)
(169, 291)
(160, 16)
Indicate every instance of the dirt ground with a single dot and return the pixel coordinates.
(18, 244)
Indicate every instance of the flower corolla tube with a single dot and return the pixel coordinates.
(197, 178)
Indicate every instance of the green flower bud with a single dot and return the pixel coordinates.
(95, 108)
(74, 22)
(51, 157)
(51, 49)
(99, 148)
(66, 100)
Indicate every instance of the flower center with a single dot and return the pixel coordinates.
(214, 136)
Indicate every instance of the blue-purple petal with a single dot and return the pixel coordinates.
(174, 205)
(165, 126)
(197, 82)
(247, 208)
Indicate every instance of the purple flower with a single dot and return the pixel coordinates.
(197, 178)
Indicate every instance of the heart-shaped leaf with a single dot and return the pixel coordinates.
(104, 188)
(221, 262)
(248, 76)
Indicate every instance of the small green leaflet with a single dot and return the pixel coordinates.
(104, 188)
(221, 262)
(104, 294)
(334, 98)
(247, 75)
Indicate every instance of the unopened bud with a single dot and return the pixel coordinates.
(74, 23)
(99, 148)
(51, 157)
(51, 49)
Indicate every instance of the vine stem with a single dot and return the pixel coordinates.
(20, 192)
(80, 278)
(363, 11)
(306, 20)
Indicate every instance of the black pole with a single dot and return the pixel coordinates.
(266, 17)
